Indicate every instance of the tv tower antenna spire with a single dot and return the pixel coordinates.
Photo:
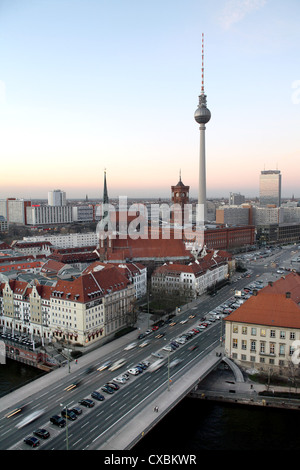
(202, 83)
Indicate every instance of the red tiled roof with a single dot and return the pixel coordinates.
(149, 248)
(98, 283)
(289, 283)
(270, 309)
(196, 268)
(52, 266)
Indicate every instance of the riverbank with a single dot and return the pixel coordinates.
(221, 386)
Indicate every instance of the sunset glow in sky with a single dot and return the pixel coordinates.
(88, 85)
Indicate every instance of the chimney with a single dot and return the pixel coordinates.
(254, 292)
(288, 295)
(270, 283)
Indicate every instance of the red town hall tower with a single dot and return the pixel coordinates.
(180, 197)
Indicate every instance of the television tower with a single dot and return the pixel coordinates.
(202, 116)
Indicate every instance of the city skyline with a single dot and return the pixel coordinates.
(86, 86)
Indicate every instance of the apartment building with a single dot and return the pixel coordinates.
(135, 272)
(264, 331)
(81, 311)
(190, 280)
(70, 240)
(48, 215)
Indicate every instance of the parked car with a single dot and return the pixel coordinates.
(58, 421)
(32, 441)
(120, 379)
(68, 414)
(87, 402)
(146, 363)
(97, 396)
(157, 354)
(77, 410)
(107, 389)
(142, 365)
(133, 371)
(42, 433)
(113, 386)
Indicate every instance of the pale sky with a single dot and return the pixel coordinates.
(88, 85)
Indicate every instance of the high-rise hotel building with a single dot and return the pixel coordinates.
(270, 188)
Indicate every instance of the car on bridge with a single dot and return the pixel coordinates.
(133, 371)
(130, 346)
(117, 364)
(107, 389)
(98, 396)
(42, 433)
(32, 441)
(157, 354)
(156, 365)
(160, 335)
(58, 421)
(105, 365)
(87, 402)
(120, 379)
(77, 410)
(68, 414)
(112, 385)
(175, 362)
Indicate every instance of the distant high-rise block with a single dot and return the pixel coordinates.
(56, 198)
(270, 188)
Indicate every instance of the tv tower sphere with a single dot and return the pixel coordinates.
(202, 114)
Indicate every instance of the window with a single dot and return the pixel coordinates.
(253, 345)
(253, 331)
(262, 332)
(272, 333)
(244, 330)
(244, 344)
(234, 343)
(282, 335)
(262, 347)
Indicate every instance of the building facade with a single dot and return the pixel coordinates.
(57, 198)
(262, 333)
(80, 312)
(190, 280)
(48, 215)
(270, 188)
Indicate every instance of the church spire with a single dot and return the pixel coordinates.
(105, 193)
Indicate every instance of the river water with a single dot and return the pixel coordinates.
(196, 425)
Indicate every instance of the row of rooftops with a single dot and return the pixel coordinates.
(82, 289)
